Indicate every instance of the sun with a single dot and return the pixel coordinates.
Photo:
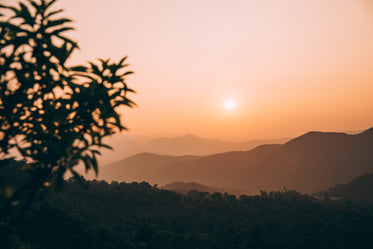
(229, 104)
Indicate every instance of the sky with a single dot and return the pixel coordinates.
(238, 69)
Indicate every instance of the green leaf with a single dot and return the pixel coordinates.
(122, 60)
(57, 31)
(127, 73)
(49, 4)
(58, 22)
(54, 13)
(94, 163)
(79, 68)
(25, 14)
(106, 146)
(95, 69)
(35, 5)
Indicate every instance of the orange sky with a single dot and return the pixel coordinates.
(290, 66)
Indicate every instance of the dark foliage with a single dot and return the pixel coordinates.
(359, 189)
(137, 215)
(52, 115)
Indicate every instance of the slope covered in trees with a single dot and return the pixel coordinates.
(359, 189)
(137, 215)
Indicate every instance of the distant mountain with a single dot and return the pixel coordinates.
(192, 145)
(125, 145)
(360, 189)
(141, 167)
(185, 187)
(309, 163)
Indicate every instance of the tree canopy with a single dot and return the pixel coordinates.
(137, 215)
(52, 114)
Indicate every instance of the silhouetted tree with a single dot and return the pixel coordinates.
(53, 115)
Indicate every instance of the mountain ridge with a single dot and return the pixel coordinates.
(359, 189)
(308, 163)
(188, 144)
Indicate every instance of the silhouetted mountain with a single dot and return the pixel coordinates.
(360, 189)
(185, 187)
(193, 145)
(141, 167)
(125, 145)
(309, 163)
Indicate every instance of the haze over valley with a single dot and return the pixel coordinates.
(309, 163)
(125, 145)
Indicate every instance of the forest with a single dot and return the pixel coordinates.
(98, 214)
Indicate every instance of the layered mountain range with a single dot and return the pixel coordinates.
(126, 145)
(309, 163)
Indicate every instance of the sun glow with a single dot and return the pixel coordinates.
(229, 104)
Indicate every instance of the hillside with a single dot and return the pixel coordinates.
(141, 167)
(359, 189)
(185, 187)
(193, 145)
(125, 145)
(139, 216)
(309, 163)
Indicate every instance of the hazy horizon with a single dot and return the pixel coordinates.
(235, 70)
(130, 134)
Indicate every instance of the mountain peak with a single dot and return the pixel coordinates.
(316, 137)
(367, 132)
(189, 135)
